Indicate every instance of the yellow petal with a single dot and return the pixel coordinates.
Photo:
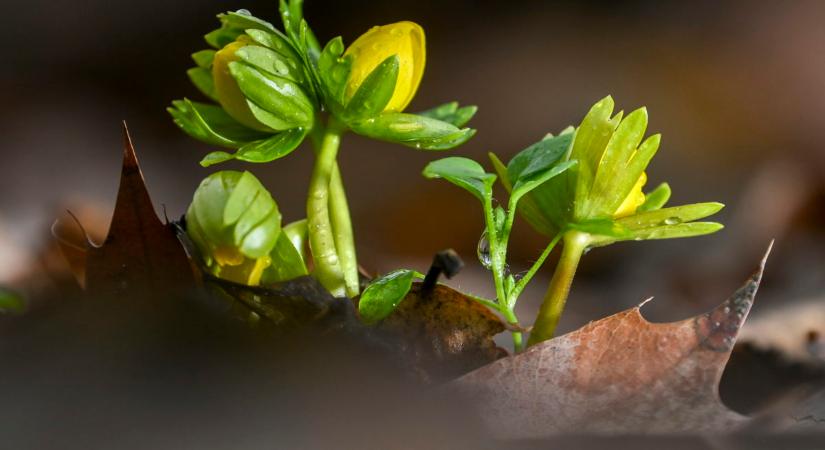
(633, 200)
(228, 256)
(404, 39)
(229, 94)
(249, 272)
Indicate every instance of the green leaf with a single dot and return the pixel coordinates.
(278, 96)
(216, 158)
(384, 294)
(262, 151)
(670, 216)
(274, 40)
(464, 173)
(211, 124)
(243, 20)
(538, 157)
(297, 234)
(202, 79)
(271, 62)
(258, 242)
(501, 170)
(375, 91)
(499, 217)
(246, 189)
(334, 70)
(451, 113)
(527, 183)
(412, 130)
(287, 262)
(681, 230)
(655, 199)
(222, 37)
(11, 302)
(204, 58)
(233, 25)
(616, 175)
(602, 227)
(591, 138)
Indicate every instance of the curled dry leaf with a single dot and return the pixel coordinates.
(292, 305)
(618, 374)
(441, 333)
(140, 254)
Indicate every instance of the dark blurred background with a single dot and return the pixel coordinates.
(736, 88)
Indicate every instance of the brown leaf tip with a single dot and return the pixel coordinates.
(717, 329)
(129, 157)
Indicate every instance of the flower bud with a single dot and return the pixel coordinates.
(235, 224)
(403, 39)
(226, 88)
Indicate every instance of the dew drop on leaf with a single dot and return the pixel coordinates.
(483, 251)
(673, 221)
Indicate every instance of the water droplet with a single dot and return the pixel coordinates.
(483, 251)
(281, 67)
(673, 221)
(726, 310)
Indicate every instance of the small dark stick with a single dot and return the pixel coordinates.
(447, 262)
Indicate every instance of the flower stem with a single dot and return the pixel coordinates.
(342, 229)
(575, 242)
(328, 269)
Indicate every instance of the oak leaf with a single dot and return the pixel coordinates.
(618, 374)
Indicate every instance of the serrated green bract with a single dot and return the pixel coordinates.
(384, 294)
(464, 173)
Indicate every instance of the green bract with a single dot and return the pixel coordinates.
(236, 226)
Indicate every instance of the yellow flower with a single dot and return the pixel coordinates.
(633, 200)
(229, 94)
(404, 39)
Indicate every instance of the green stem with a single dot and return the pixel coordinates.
(575, 242)
(328, 269)
(522, 283)
(342, 229)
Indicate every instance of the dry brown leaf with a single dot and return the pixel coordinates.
(140, 253)
(442, 333)
(618, 374)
